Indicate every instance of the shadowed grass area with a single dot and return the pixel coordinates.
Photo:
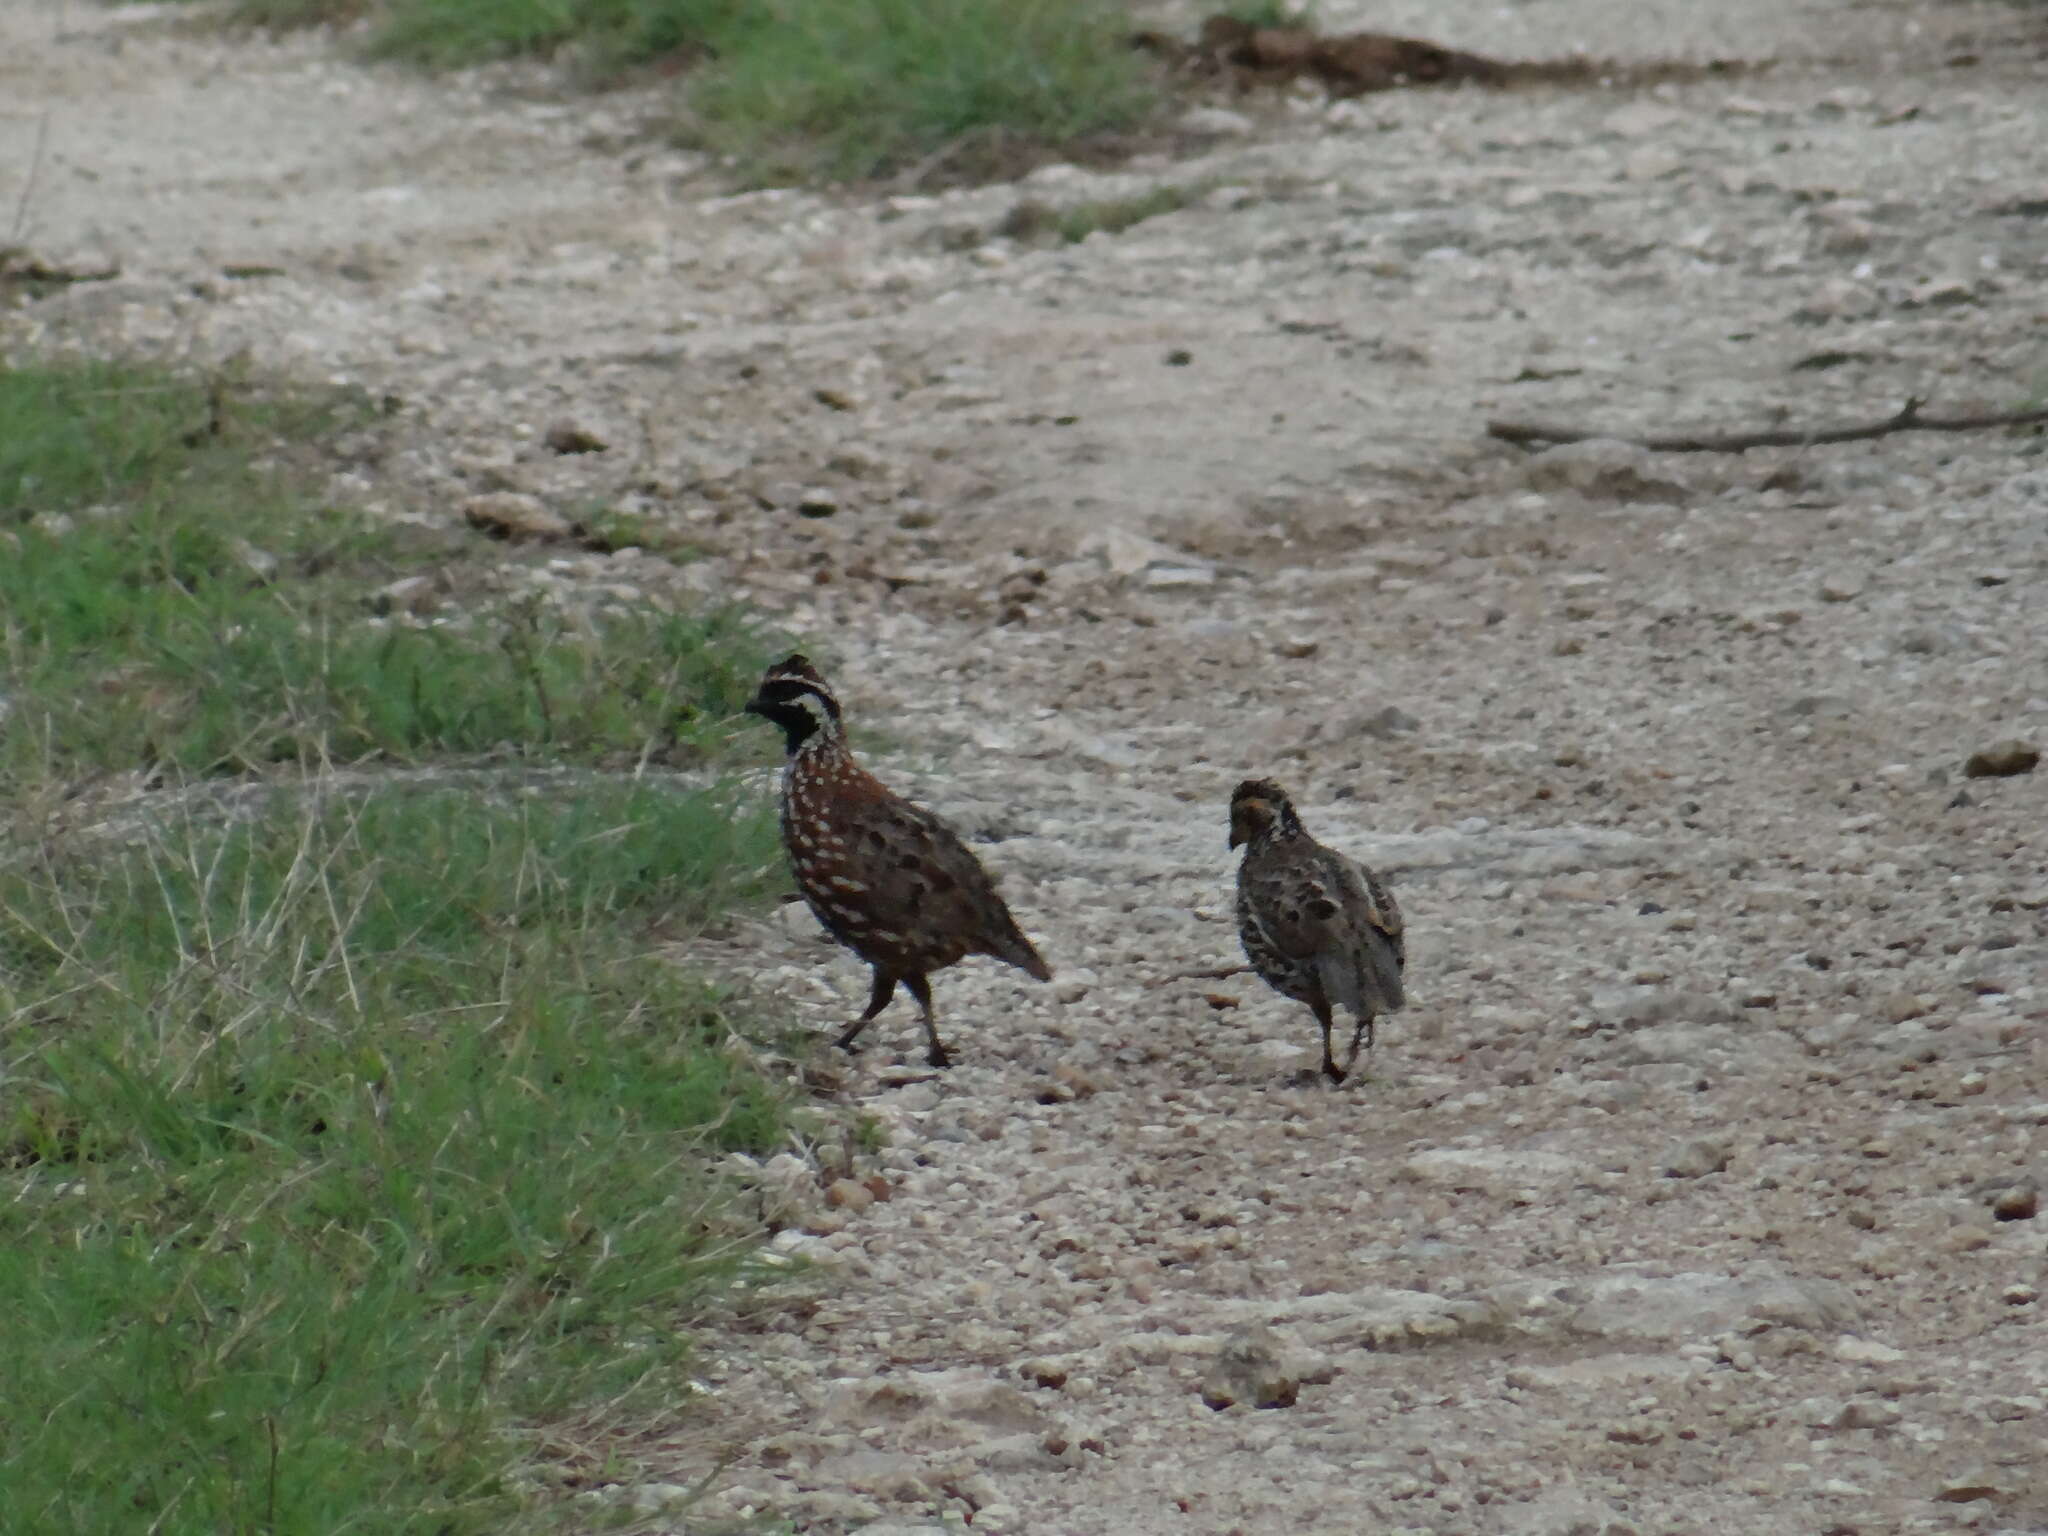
(351, 1147)
(176, 597)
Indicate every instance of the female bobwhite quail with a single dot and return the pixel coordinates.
(888, 879)
(1317, 926)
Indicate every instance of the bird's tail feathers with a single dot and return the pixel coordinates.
(1014, 949)
(1370, 987)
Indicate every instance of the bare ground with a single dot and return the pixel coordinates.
(1689, 1194)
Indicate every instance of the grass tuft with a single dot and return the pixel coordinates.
(1272, 13)
(350, 1147)
(177, 599)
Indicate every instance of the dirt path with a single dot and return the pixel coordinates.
(1673, 1203)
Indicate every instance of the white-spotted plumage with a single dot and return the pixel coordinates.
(887, 878)
(1317, 926)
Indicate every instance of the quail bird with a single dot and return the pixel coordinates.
(888, 879)
(1317, 927)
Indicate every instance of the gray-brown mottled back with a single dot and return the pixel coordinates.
(888, 879)
(1317, 927)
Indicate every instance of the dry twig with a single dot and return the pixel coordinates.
(1530, 434)
(28, 187)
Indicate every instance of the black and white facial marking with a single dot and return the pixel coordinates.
(1259, 807)
(803, 709)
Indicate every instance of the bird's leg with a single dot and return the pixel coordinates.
(1363, 1033)
(1331, 1070)
(921, 989)
(878, 999)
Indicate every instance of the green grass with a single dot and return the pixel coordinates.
(810, 89)
(1272, 13)
(357, 1138)
(356, 1156)
(840, 89)
(609, 34)
(177, 598)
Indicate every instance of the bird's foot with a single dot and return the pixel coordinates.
(938, 1056)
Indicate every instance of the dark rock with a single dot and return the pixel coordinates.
(2002, 760)
(567, 437)
(1251, 1369)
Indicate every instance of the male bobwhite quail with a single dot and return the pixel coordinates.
(888, 879)
(1317, 926)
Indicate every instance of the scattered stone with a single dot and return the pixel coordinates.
(1174, 575)
(1970, 1487)
(2002, 760)
(1124, 552)
(79, 266)
(1251, 1369)
(1900, 1007)
(1865, 1413)
(1043, 1373)
(795, 920)
(1642, 118)
(849, 1195)
(1071, 986)
(1215, 123)
(260, 563)
(1652, 162)
(817, 501)
(2019, 1202)
(1941, 293)
(1841, 587)
(1501, 1170)
(517, 518)
(660, 1498)
(408, 594)
(1638, 1431)
(1694, 1304)
(1386, 721)
(1695, 1158)
(785, 1185)
(567, 437)
(1605, 469)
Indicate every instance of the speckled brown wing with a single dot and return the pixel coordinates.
(938, 881)
(895, 884)
(1378, 949)
(1312, 918)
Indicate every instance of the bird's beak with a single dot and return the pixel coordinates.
(1236, 837)
(753, 707)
